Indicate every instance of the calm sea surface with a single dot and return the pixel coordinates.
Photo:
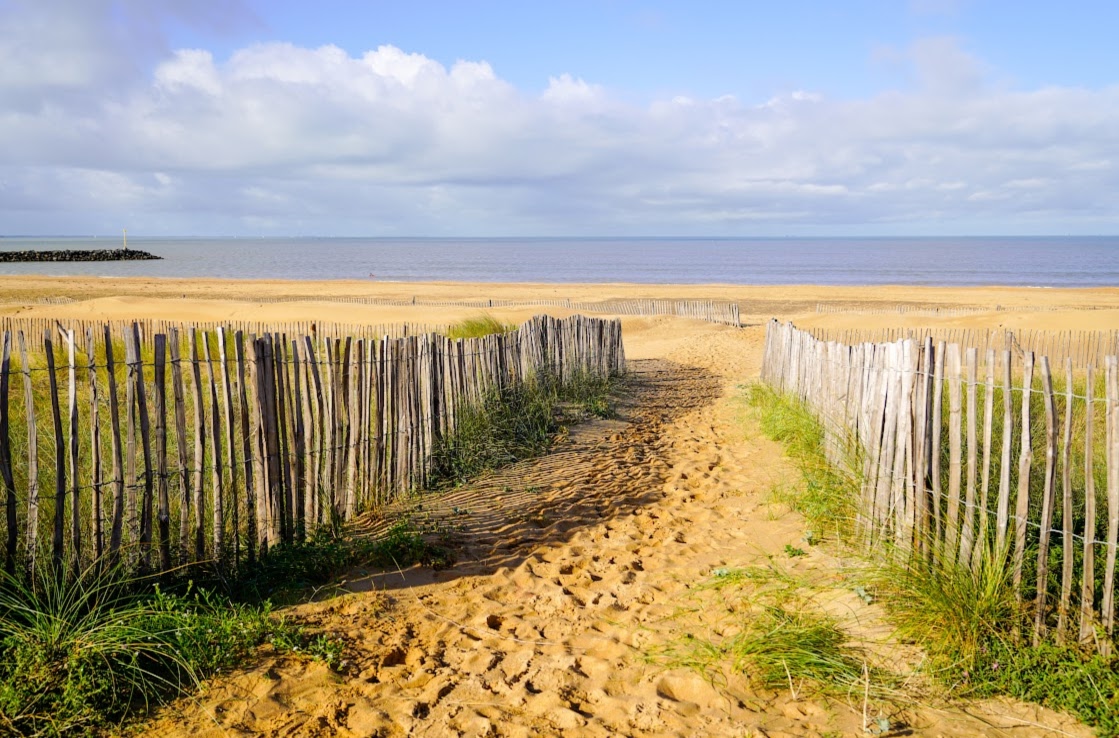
(1042, 261)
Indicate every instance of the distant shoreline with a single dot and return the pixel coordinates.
(748, 262)
(52, 255)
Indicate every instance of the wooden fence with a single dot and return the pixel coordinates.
(34, 329)
(947, 311)
(1014, 463)
(215, 445)
(713, 311)
(1081, 347)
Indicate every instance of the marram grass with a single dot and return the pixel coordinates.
(80, 655)
(476, 327)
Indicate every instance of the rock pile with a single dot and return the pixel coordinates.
(78, 255)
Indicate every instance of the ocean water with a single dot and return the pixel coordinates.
(1035, 261)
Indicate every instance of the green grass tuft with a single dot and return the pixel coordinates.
(954, 611)
(978, 638)
(786, 647)
(404, 545)
(482, 325)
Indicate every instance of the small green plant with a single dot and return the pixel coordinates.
(403, 545)
(1059, 677)
(794, 551)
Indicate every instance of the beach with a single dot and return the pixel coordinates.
(579, 572)
(1095, 308)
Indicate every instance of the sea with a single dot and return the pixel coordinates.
(1049, 261)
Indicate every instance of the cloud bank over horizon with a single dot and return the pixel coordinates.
(106, 124)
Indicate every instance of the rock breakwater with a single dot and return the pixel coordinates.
(78, 255)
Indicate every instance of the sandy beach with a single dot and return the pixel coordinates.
(578, 572)
(202, 299)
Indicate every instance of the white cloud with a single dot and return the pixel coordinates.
(283, 137)
(190, 68)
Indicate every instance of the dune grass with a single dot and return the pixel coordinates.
(518, 422)
(478, 326)
(775, 638)
(80, 655)
(826, 496)
(977, 635)
(794, 647)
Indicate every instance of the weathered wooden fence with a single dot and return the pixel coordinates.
(1013, 463)
(1082, 347)
(214, 445)
(946, 310)
(713, 311)
(34, 329)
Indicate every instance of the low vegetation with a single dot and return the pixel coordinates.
(518, 423)
(968, 619)
(476, 327)
(826, 495)
(293, 570)
(776, 639)
(78, 656)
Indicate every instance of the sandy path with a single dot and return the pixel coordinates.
(577, 570)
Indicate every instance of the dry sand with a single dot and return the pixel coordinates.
(578, 572)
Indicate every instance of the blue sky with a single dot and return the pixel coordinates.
(863, 117)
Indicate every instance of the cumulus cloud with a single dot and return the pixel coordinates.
(315, 140)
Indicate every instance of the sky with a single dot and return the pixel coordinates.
(575, 118)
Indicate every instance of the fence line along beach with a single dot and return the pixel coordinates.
(219, 444)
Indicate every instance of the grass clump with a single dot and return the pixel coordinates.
(790, 647)
(781, 646)
(79, 656)
(404, 545)
(953, 611)
(978, 638)
(827, 496)
(774, 638)
(518, 422)
(476, 327)
(292, 567)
